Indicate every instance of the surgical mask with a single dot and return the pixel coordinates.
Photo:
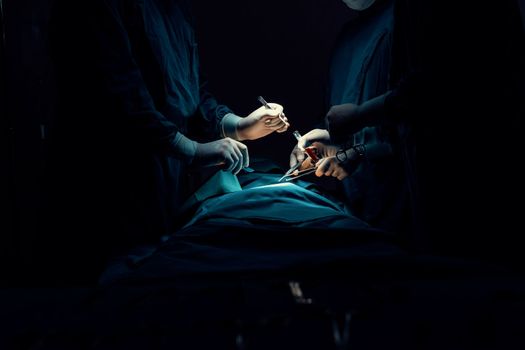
(359, 5)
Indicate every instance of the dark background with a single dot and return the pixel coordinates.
(275, 48)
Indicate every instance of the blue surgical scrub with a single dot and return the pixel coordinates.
(129, 81)
(359, 71)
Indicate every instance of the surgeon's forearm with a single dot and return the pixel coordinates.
(369, 152)
(413, 94)
(372, 112)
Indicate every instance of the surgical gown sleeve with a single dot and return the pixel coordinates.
(219, 120)
(122, 84)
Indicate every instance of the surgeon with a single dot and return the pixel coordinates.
(136, 125)
(451, 65)
(372, 171)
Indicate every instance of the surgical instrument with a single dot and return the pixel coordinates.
(265, 104)
(311, 153)
(301, 173)
(297, 135)
(290, 171)
(309, 150)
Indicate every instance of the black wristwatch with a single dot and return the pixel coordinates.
(360, 149)
(342, 157)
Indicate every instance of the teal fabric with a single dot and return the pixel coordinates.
(264, 200)
(360, 70)
(221, 183)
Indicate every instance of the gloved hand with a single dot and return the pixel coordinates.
(297, 154)
(228, 152)
(262, 122)
(328, 165)
(343, 121)
(347, 119)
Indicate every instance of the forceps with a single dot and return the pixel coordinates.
(290, 171)
(289, 176)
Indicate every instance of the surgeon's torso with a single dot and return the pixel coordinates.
(166, 24)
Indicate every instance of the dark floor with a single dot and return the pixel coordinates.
(421, 303)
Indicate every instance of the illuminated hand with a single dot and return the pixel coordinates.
(297, 154)
(328, 164)
(228, 152)
(330, 167)
(262, 122)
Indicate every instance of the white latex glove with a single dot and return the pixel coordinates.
(297, 154)
(262, 122)
(228, 152)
